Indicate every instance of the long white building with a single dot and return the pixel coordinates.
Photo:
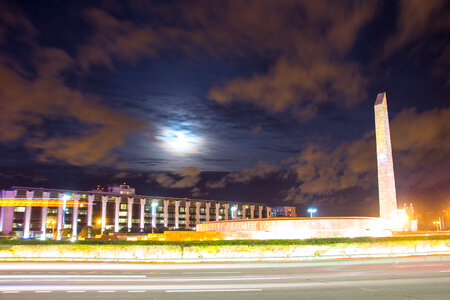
(37, 212)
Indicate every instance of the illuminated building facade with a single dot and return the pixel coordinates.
(284, 211)
(36, 212)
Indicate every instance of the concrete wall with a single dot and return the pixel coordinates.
(301, 228)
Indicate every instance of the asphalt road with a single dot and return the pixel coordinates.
(402, 278)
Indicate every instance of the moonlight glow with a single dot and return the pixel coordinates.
(180, 142)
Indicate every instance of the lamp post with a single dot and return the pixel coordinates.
(312, 211)
(437, 224)
(154, 206)
(99, 222)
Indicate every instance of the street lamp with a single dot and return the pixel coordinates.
(154, 206)
(437, 224)
(312, 211)
(233, 211)
(99, 222)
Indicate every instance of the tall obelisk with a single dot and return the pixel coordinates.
(386, 180)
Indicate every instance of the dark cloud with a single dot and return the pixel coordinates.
(261, 170)
(416, 18)
(421, 147)
(179, 179)
(28, 101)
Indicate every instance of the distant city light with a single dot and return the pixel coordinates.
(312, 211)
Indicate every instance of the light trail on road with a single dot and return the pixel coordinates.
(427, 278)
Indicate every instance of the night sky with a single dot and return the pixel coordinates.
(261, 101)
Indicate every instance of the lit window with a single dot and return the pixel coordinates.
(19, 209)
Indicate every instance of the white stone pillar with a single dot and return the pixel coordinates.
(104, 203)
(197, 212)
(268, 212)
(116, 214)
(7, 212)
(76, 199)
(227, 207)
(177, 214)
(252, 212)
(244, 211)
(61, 212)
(166, 213)
(142, 215)
(90, 209)
(188, 204)
(217, 211)
(2, 216)
(27, 216)
(154, 208)
(208, 207)
(46, 196)
(130, 213)
(260, 212)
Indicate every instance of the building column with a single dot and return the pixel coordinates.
(142, 215)
(244, 211)
(76, 199)
(208, 207)
(2, 216)
(130, 213)
(104, 202)
(177, 214)
(197, 212)
(60, 221)
(227, 207)
(154, 207)
(27, 216)
(46, 196)
(116, 214)
(260, 212)
(90, 209)
(8, 212)
(188, 213)
(268, 212)
(217, 211)
(166, 213)
(188, 204)
(252, 212)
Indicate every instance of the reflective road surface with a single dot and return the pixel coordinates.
(402, 278)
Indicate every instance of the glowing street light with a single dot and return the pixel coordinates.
(51, 223)
(233, 211)
(312, 211)
(99, 222)
(437, 224)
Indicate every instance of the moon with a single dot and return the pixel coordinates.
(180, 142)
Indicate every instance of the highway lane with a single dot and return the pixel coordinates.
(402, 278)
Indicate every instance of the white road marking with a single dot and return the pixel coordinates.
(444, 271)
(139, 291)
(28, 277)
(76, 291)
(418, 266)
(106, 291)
(212, 273)
(207, 291)
(10, 292)
(43, 291)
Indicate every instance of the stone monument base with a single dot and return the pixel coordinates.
(301, 228)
